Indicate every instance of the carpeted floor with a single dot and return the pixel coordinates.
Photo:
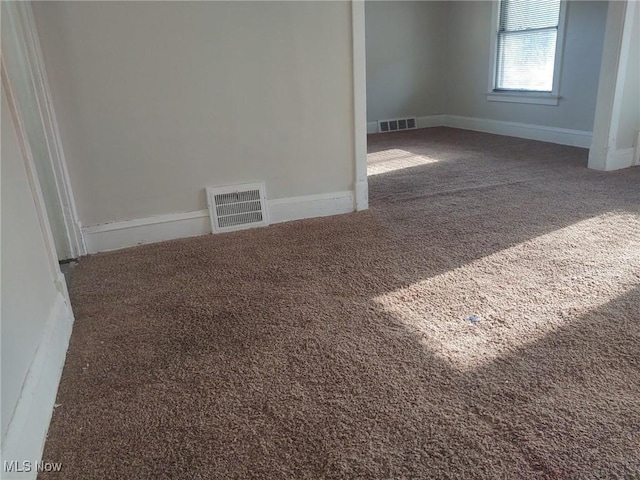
(343, 347)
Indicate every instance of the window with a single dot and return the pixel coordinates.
(526, 40)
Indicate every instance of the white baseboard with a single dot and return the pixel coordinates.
(27, 431)
(362, 195)
(159, 228)
(129, 233)
(430, 121)
(621, 158)
(562, 136)
(421, 122)
(309, 206)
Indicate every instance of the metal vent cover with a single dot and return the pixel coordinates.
(397, 124)
(236, 207)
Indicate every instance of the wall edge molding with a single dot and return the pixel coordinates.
(562, 136)
(360, 124)
(144, 221)
(620, 158)
(425, 121)
(311, 206)
(29, 424)
(158, 228)
(542, 133)
(429, 121)
(22, 14)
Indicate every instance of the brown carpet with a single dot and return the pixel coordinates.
(342, 347)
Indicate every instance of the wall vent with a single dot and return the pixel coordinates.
(396, 125)
(236, 207)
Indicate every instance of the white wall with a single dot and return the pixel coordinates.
(629, 121)
(405, 58)
(14, 53)
(617, 122)
(28, 291)
(35, 314)
(156, 100)
(467, 67)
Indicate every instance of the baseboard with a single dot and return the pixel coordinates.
(116, 235)
(309, 206)
(362, 195)
(621, 158)
(562, 136)
(159, 228)
(421, 122)
(27, 431)
(430, 121)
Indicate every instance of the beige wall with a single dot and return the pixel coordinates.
(157, 100)
(28, 291)
(405, 58)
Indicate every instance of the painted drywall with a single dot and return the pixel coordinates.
(468, 58)
(28, 290)
(600, 144)
(617, 118)
(156, 100)
(14, 54)
(629, 122)
(405, 53)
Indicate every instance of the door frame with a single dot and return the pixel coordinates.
(360, 104)
(25, 43)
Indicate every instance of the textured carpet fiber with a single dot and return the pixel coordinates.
(344, 347)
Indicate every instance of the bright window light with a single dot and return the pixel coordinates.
(527, 36)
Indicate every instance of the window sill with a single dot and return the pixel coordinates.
(524, 97)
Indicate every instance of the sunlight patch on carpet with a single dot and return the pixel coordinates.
(394, 159)
(521, 294)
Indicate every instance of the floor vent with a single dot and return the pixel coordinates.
(396, 125)
(236, 207)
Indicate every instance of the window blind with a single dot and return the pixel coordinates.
(527, 35)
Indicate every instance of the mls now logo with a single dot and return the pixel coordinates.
(26, 466)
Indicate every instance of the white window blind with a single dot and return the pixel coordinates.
(527, 36)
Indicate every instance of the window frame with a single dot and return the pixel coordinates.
(526, 96)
